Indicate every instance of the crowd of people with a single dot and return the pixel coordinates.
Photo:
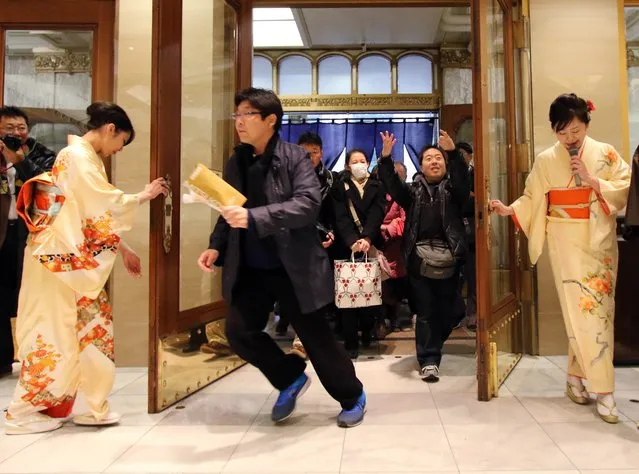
(278, 250)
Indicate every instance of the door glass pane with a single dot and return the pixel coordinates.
(208, 85)
(48, 75)
(498, 159)
(198, 353)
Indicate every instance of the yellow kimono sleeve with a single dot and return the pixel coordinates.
(613, 194)
(81, 245)
(531, 209)
(81, 175)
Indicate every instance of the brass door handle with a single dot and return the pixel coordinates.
(489, 211)
(167, 225)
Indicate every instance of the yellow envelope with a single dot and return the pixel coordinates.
(213, 189)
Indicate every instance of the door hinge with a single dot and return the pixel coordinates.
(520, 36)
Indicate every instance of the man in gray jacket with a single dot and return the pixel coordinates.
(270, 251)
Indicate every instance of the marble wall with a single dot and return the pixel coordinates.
(575, 47)
(458, 86)
(131, 171)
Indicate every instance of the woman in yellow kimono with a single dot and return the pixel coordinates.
(64, 327)
(572, 197)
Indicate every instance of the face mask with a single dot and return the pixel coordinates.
(359, 170)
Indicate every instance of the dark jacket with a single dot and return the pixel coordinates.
(370, 210)
(454, 190)
(37, 161)
(326, 180)
(293, 195)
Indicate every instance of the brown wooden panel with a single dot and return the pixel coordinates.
(51, 11)
(453, 116)
(166, 109)
(195, 317)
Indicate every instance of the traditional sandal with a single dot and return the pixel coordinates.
(606, 413)
(577, 394)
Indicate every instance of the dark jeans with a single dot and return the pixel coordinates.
(434, 301)
(363, 319)
(394, 290)
(10, 260)
(253, 297)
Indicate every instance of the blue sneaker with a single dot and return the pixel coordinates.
(354, 416)
(285, 404)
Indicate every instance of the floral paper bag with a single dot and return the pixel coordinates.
(358, 284)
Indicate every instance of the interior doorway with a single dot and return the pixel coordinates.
(345, 79)
(475, 50)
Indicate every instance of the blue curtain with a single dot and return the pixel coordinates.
(333, 137)
(361, 135)
(416, 136)
(296, 130)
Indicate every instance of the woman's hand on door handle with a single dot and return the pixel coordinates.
(500, 208)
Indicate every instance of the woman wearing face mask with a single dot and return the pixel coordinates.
(572, 197)
(359, 192)
(433, 243)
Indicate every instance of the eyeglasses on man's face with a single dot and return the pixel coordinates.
(243, 115)
(10, 129)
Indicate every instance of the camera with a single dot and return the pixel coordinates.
(12, 142)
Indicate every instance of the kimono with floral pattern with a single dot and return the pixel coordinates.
(64, 326)
(583, 252)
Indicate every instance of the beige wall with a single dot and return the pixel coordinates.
(575, 46)
(130, 173)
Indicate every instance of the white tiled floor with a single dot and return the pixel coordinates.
(410, 427)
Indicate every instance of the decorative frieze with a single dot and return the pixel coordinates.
(327, 103)
(67, 62)
(455, 58)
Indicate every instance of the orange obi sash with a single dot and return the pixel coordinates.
(569, 203)
(39, 202)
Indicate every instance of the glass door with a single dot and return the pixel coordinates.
(499, 334)
(195, 76)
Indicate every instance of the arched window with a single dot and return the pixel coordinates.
(414, 75)
(374, 75)
(334, 75)
(262, 72)
(295, 76)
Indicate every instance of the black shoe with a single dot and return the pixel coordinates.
(353, 354)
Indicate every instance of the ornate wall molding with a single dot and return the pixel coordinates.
(455, 58)
(67, 62)
(632, 57)
(339, 103)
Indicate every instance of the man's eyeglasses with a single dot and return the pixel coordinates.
(20, 129)
(241, 115)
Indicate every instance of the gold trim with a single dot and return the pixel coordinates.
(67, 62)
(376, 102)
(455, 58)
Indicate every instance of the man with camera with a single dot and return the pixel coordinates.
(21, 158)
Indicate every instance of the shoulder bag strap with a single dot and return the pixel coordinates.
(353, 212)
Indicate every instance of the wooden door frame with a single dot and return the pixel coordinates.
(166, 137)
(494, 314)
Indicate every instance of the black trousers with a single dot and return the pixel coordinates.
(434, 302)
(253, 297)
(363, 319)
(10, 260)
